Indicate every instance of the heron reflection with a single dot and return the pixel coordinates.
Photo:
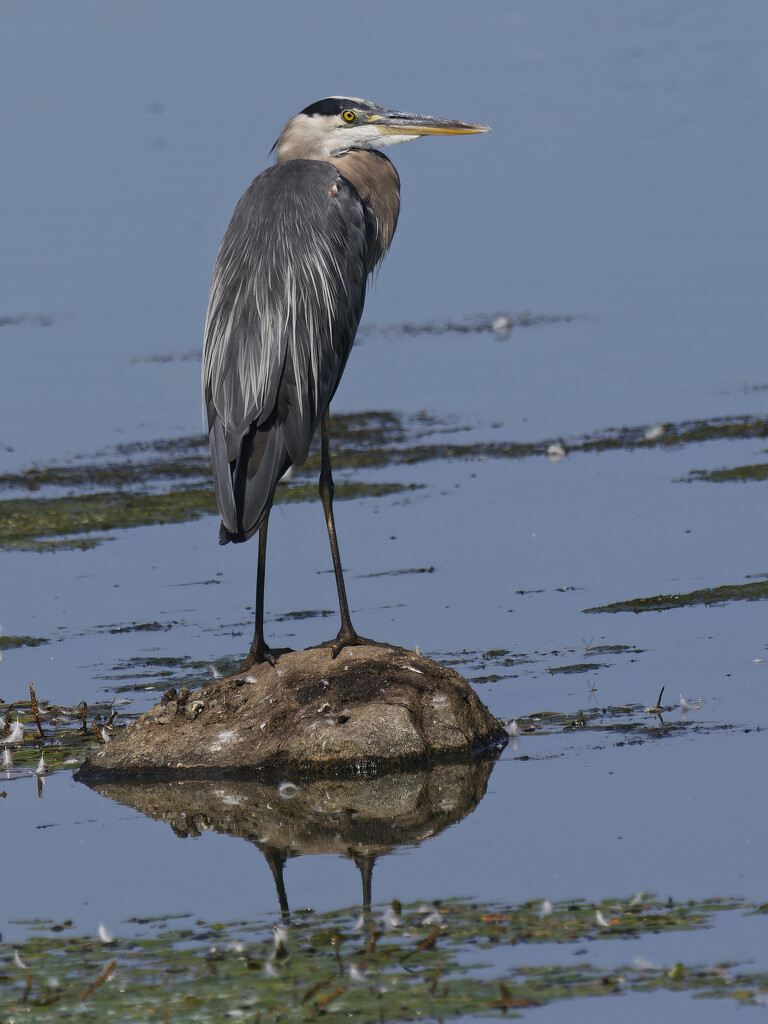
(360, 819)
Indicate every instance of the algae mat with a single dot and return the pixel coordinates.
(394, 963)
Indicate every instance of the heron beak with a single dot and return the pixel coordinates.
(393, 122)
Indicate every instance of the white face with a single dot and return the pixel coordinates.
(320, 137)
(364, 136)
(349, 130)
(339, 123)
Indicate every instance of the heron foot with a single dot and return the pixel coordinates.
(350, 639)
(258, 654)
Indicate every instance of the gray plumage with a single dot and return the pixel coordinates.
(286, 298)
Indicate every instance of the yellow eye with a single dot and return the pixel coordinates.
(349, 116)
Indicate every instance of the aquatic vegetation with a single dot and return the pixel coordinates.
(440, 961)
(736, 474)
(8, 643)
(757, 591)
(44, 524)
(581, 666)
(39, 737)
(143, 672)
(168, 481)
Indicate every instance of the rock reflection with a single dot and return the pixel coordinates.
(361, 819)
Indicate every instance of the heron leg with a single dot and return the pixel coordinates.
(259, 651)
(346, 637)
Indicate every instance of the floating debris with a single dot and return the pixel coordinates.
(15, 736)
(431, 916)
(390, 919)
(555, 452)
(502, 325)
(281, 939)
(686, 706)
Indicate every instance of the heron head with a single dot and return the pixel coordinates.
(341, 123)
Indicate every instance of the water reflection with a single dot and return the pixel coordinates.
(362, 819)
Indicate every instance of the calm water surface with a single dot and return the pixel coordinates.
(623, 187)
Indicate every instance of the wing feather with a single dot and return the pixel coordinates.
(286, 297)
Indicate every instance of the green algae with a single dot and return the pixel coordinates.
(505, 664)
(398, 963)
(756, 591)
(168, 481)
(37, 524)
(8, 643)
(736, 474)
(142, 674)
(42, 524)
(621, 724)
(582, 666)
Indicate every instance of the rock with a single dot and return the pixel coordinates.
(372, 708)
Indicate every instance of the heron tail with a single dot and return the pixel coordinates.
(245, 488)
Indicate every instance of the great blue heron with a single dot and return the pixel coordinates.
(286, 298)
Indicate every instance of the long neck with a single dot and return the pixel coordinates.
(372, 174)
(303, 138)
(378, 183)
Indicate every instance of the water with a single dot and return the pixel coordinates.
(622, 186)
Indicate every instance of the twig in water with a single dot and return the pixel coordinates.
(428, 943)
(315, 989)
(435, 976)
(657, 708)
(36, 710)
(99, 981)
(370, 945)
(323, 1001)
